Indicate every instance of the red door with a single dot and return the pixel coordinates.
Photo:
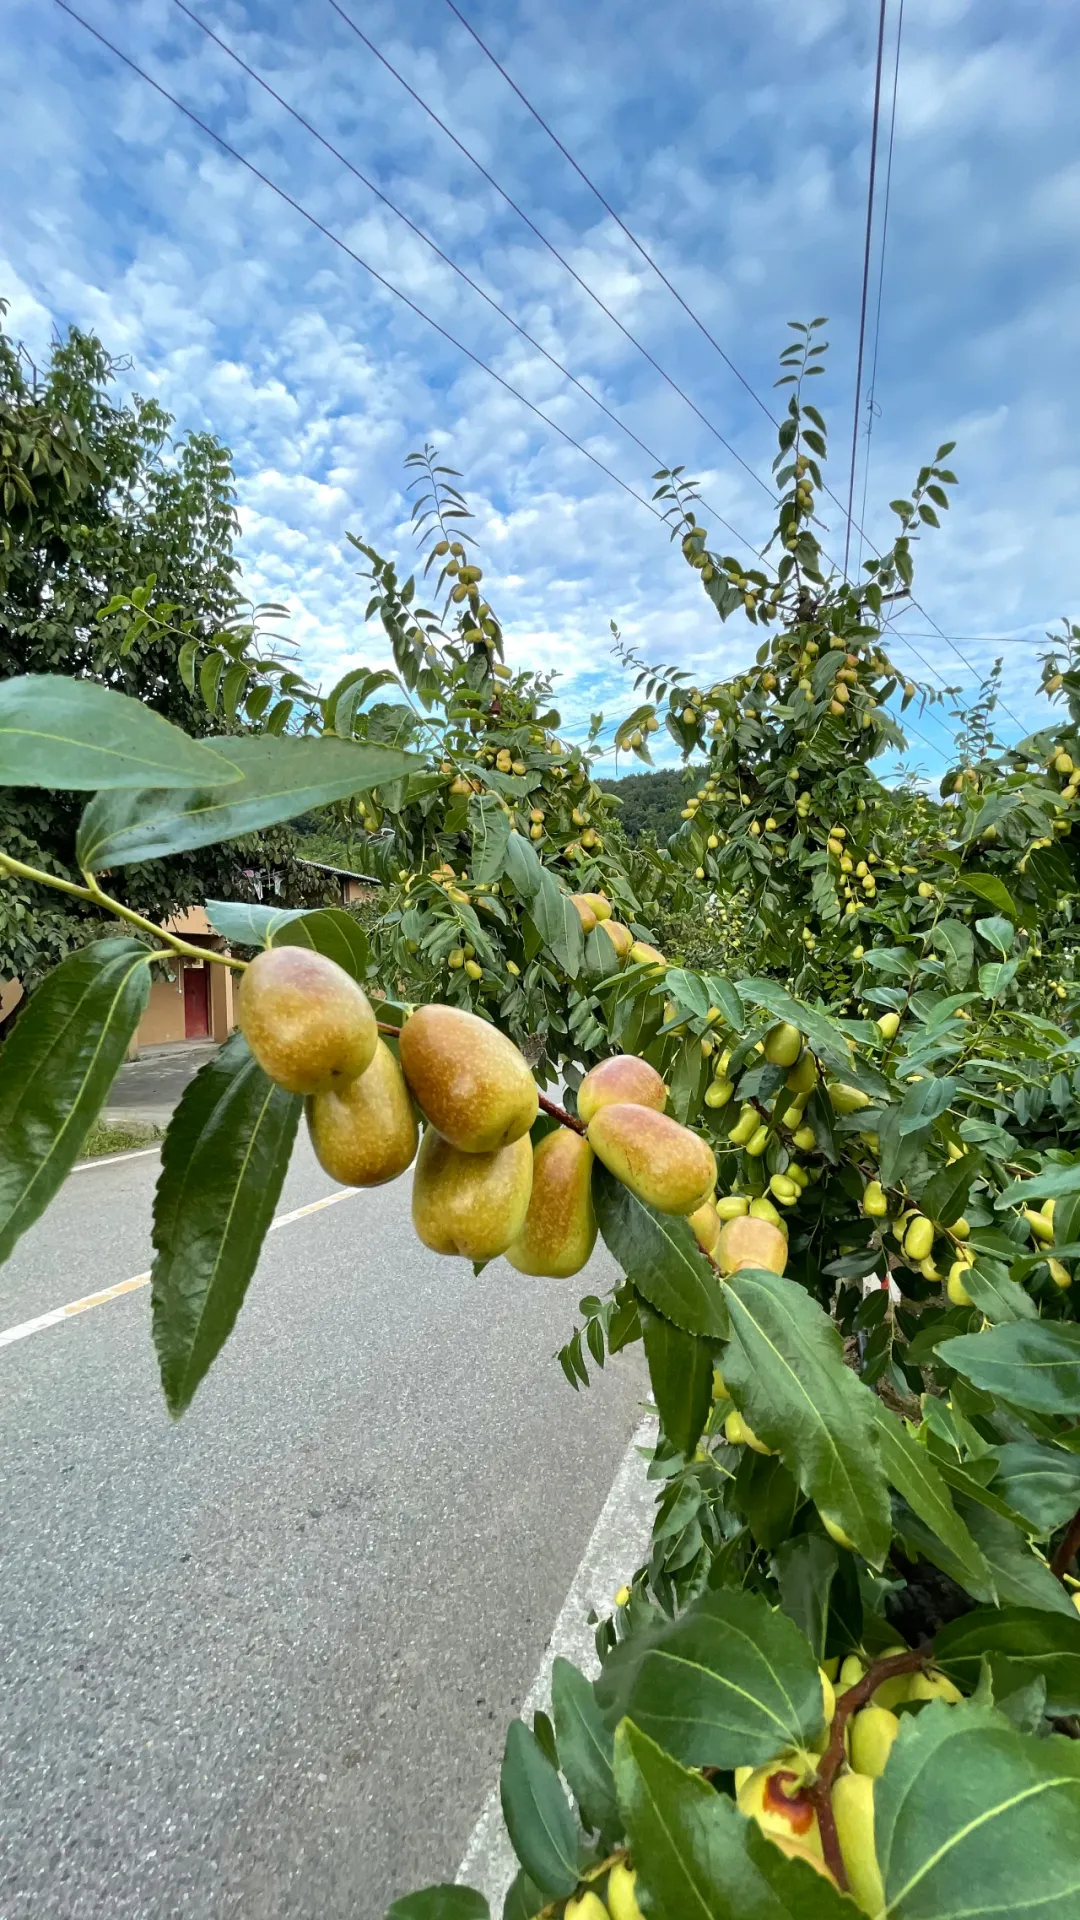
(196, 1000)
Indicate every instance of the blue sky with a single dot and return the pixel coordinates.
(734, 142)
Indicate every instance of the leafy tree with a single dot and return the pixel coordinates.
(851, 1661)
(101, 510)
(649, 802)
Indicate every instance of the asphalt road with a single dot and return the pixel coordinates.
(260, 1663)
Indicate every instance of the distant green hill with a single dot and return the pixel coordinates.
(653, 802)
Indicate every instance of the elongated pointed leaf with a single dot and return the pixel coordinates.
(537, 1813)
(440, 1903)
(585, 1748)
(1041, 1482)
(249, 925)
(805, 1569)
(222, 1165)
(732, 1681)
(558, 923)
(784, 1369)
(328, 930)
(71, 735)
(1036, 1644)
(697, 1858)
(659, 1253)
(681, 1373)
(281, 778)
(56, 1069)
(971, 1818)
(490, 828)
(912, 1472)
(1033, 1364)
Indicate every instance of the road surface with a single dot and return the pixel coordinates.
(260, 1663)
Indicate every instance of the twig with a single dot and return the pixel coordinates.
(819, 1790)
(560, 1114)
(1069, 1546)
(96, 897)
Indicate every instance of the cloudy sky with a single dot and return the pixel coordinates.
(733, 140)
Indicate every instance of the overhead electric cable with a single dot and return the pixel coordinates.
(561, 258)
(871, 391)
(444, 257)
(368, 268)
(865, 277)
(591, 184)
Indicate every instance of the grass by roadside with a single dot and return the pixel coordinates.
(105, 1138)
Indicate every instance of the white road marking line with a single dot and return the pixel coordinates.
(57, 1314)
(618, 1545)
(114, 1159)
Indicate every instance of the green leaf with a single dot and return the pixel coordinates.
(995, 1295)
(537, 1814)
(490, 828)
(1041, 1482)
(1043, 1186)
(331, 931)
(73, 734)
(281, 778)
(522, 865)
(731, 1681)
(973, 1819)
(1033, 1364)
(989, 887)
(223, 1161)
(911, 1470)
(680, 1371)
(823, 1034)
(1035, 1643)
(585, 1748)
(997, 932)
(923, 1102)
(440, 1903)
(558, 923)
(956, 942)
(1020, 1578)
(56, 1069)
(524, 1900)
(660, 1255)
(249, 926)
(767, 1497)
(784, 1368)
(805, 1570)
(943, 1197)
(697, 1857)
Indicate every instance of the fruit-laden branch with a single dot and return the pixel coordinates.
(819, 1789)
(560, 1114)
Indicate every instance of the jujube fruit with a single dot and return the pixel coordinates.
(305, 1019)
(620, 1079)
(472, 1204)
(559, 1231)
(366, 1133)
(746, 1242)
(661, 1162)
(470, 1081)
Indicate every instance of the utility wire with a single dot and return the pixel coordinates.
(563, 262)
(609, 209)
(865, 278)
(444, 257)
(368, 268)
(872, 389)
(591, 184)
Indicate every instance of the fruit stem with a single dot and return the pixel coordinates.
(1068, 1547)
(560, 1114)
(820, 1789)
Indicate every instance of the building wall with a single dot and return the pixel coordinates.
(10, 994)
(163, 1021)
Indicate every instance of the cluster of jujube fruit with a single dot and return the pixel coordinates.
(481, 1187)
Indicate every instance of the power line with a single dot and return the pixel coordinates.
(552, 249)
(579, 170)
(444, 257)
(609, 209)
(368, 268)
(865, 278)
(872, 389)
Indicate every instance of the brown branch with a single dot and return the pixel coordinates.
(384, 1026)
(1069, 1546)
(820, 1789)
(560, 1114)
